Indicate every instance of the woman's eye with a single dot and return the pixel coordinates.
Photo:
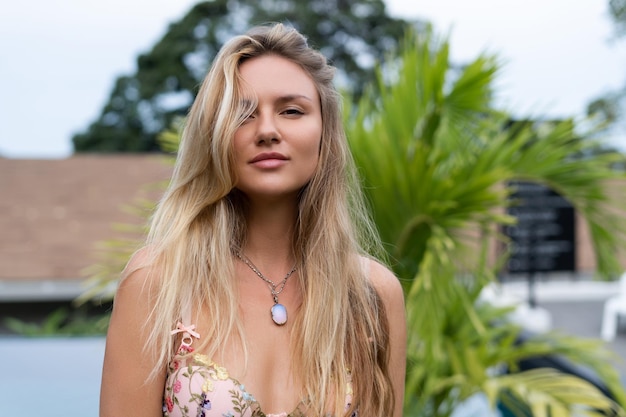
(293, 112)
(248, 118)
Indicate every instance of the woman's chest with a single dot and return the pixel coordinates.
(202, 388)
(265, 364)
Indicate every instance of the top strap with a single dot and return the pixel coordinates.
(187, 329)
(186, 316)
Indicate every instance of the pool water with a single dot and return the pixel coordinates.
(55, 377)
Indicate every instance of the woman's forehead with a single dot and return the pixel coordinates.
(278, 77)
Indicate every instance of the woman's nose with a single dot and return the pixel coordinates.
(267, 131)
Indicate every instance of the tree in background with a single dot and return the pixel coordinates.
(610, 107)
(353, 34)
(617, 8)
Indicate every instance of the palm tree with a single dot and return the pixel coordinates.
(436, 160)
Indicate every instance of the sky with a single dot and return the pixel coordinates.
(60, 57)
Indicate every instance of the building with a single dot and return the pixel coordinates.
(54, 212)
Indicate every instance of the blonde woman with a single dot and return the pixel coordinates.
(256, 293)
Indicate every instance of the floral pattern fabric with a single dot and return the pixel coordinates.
(198, 390)
(198, 387)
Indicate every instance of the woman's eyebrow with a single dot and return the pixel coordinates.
(291, 97)
(248, 103)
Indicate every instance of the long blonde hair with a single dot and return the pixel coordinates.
(341, 324)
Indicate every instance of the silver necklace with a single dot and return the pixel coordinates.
(278, 311)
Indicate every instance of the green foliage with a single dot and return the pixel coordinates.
(617, 10)
(436, 160)
(549, 393)
(353, 33)
(610, 107)
(62, 322)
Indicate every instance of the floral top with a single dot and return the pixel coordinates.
(202, 388)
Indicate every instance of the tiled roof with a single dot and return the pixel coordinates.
(53, 212)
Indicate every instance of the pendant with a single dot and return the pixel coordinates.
(279, 314)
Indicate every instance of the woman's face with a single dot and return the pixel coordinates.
(277, 148)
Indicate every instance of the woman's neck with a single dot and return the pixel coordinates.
(270, 233)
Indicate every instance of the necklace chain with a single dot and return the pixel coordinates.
(272, 286)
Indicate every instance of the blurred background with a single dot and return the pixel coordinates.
(61, 58)
(91, 96)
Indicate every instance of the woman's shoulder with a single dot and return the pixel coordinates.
(140, 259)
(134, 299)
(128, 359)
(384, 282)
(138, 278)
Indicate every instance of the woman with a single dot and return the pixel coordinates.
(254, 295)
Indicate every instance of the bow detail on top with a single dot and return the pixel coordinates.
(180, 328)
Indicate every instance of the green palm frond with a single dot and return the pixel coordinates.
(549, 393)
(436, 162)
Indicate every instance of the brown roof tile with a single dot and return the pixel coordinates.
(53, 212)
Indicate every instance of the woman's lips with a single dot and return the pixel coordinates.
(269, 160)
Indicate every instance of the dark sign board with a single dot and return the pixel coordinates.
(543, 240)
